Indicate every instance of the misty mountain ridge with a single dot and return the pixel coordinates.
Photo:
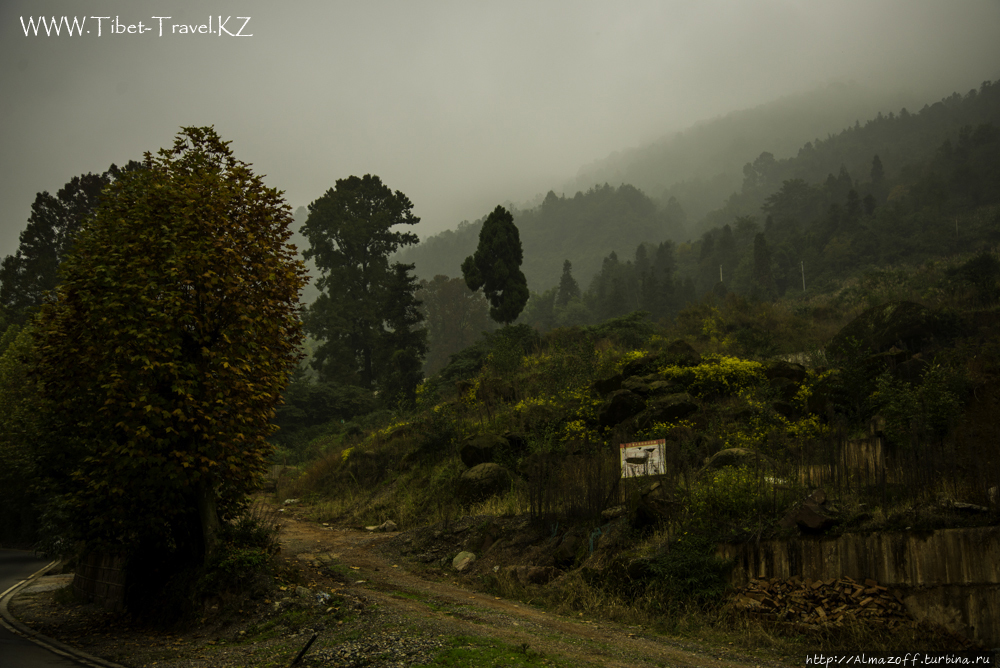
(585, 227)
(702, 165)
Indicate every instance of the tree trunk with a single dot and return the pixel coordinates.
(208, 515)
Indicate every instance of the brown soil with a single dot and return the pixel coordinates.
(377, 601)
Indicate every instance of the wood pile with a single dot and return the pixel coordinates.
(812, 604)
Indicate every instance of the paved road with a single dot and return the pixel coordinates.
(15, 651)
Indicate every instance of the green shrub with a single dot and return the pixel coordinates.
(689, 572)
(917, 412)
(729, 498)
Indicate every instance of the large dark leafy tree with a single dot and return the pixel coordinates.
(367, 313)
(165, 350)
(496, 267)
(29, 273)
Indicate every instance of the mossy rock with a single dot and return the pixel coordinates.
(483, 481)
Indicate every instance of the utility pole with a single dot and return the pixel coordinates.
(720, 273)
(802, 264)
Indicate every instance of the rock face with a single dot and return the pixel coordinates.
(483, 481)
(620, 406)
(905, 325)
(481, 449)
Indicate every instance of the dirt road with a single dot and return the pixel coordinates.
(456, 610)
(365, 607)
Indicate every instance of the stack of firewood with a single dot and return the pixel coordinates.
(817, 603)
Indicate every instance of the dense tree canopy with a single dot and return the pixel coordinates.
(496, 267)
(367, 314)
(166, 348)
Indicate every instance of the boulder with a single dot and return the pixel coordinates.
(737, 457)
(481, 449)
(483, 481)
(462, 561)
(638, 367)
(637, 385)
(665, 387)
(680, 353)
(620, 406)
(905, 325)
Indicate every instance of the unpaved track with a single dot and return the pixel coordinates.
(473, 613)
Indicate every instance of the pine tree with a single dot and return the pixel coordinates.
(568, 288)
(496, 267)
(367, 313)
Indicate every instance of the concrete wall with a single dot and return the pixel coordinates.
(950, 576)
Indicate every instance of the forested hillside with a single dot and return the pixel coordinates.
(588, 226)
(701, 165)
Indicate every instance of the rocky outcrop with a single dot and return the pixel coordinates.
(904, 325)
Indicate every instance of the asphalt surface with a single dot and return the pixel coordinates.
(16, 651)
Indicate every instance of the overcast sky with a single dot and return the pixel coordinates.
(460, 105)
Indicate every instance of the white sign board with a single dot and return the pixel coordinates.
(643, 458)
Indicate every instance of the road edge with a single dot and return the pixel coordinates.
(8, 621)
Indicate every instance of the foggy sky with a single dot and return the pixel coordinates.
(460, 105)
